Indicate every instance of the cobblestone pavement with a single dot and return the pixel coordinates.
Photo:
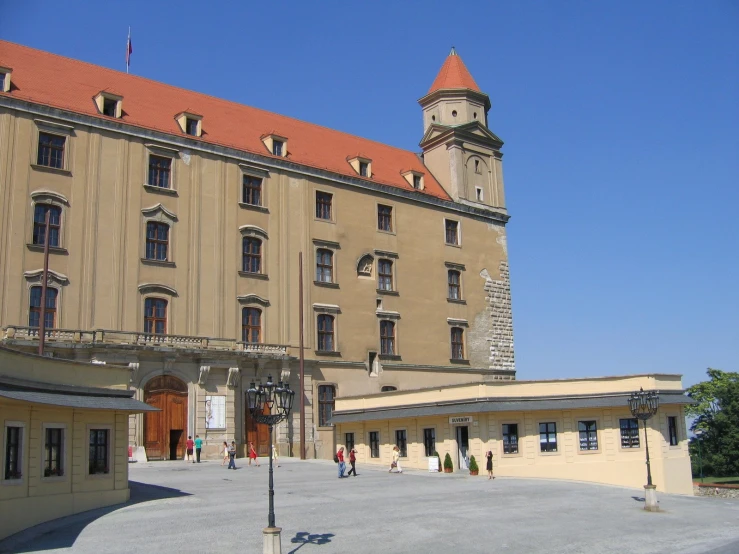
(182, 508)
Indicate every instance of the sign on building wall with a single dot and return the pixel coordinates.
(215, 412)
(460, 420)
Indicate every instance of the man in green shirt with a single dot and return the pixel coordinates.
(198, 447)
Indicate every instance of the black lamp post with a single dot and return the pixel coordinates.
(278, 400)
(643, 406)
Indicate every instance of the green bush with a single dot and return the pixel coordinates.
(448, 462)
(473, 464)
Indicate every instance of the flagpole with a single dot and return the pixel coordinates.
(128, 49)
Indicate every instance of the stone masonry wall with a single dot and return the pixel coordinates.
(498, 293)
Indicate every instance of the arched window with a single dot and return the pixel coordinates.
(251, 325)
(39, 224)
(325, 333)
(387, 338)
(324, 266)
(455, 292)
(457, 336)
(155, 316)
(34, 311)
(157, 241)
(252, 257)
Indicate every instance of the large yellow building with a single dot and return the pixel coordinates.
(177, 220)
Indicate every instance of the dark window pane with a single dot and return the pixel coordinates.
(51, 150)
(252, 191)
(159, 171)
(457, 343)
(39, 224)
(251, 325)
(429, 441)
(387, 338)
(323, 205)
(588, 435)
(401, 442)
(629, 433)
(374, 440)
(384, 218)
(548, 437)
(326, 333)
(252, 255)
(326, 395)
(452, 232)
(155, 316)
(510, 438)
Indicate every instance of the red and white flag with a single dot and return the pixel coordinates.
(129, 50)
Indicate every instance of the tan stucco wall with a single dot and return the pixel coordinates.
(34, 498)
(610, 464)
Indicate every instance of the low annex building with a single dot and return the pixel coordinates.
(577, 429)
(64, 437)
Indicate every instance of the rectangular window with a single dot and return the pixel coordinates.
(326, 394)
(429, 441)
(349, 441)
(155, 316)
(157, 240)
(326, 333)
(323, 205)
(34, 311)
(455, 290)
(110, 107)
(13, 448)
(363, 169)
(385, 274)
(251, 325)
(672, 430)
(251, 191)
(452, 231)
(387, 338)
(629, 433)
(39, 224)
(416, 181)
(588, 435)
(252, 255)
(53, 461)
(385, 218)
(191, 126)
(277, 147)
(457, 336)
(548, 437)
(374, 441)
(324, 266)
(51, 150)
(402, 442)
(159, 171)
(510, 438)
(99, 451)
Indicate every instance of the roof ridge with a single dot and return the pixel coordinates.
(206, 95)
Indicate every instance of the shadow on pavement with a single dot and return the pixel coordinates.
(63, 532)
(302, 538)
(639, 498)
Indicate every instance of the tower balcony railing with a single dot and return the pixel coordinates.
(20, 334)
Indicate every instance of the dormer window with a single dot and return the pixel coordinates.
(363, 166)
(109, 104)
(276, 145)
(190, 123)
(414, 178)
(4, 79)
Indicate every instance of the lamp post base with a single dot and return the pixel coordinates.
(272, 543)
(650, 498)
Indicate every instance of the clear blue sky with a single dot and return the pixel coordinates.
(620, 121)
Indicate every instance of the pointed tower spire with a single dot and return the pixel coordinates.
(453, 75)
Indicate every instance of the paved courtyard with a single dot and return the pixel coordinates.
(182, 508)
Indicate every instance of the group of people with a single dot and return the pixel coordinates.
(190, 445)
(394, 465)
(229, 455)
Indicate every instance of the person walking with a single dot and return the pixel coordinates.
(253, 454)
(275, 459)
(232, 455)
(352, 461)
(396, 460)
(198, 447)
(489, 465)
(342, 464)
(225, 453)
(188, 449)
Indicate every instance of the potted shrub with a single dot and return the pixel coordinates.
(448, 466)
(438, 458)
(474, 470)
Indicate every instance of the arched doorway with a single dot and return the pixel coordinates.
(165, 430)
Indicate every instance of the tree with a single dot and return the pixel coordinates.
(717, 422)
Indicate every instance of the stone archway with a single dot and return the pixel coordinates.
(165, 431)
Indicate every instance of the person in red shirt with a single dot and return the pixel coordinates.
(352, 461)
(342, 464)
(190, 446)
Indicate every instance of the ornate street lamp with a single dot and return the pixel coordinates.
(643, 406)
(270, 404)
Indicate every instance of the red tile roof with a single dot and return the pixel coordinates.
(453, 74)
(69, 84)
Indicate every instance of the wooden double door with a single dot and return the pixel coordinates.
(165, 431)
(258, 433)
